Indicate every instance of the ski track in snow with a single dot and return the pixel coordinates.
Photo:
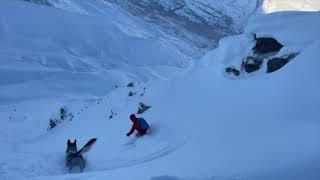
(39, 160)
(166, 150)
(41, 164)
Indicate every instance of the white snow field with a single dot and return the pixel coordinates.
(204, 125)
(290, 5)
(76, 53)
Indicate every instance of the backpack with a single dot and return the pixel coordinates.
(143, 123)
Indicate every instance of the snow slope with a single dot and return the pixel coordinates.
(101, 44)
(64, 54)
(204, 125)
(193, 26)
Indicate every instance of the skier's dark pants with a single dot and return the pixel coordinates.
(142, 132)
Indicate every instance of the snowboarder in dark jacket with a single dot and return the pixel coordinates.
(139, 124)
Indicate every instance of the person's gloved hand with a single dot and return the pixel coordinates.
(128, 134)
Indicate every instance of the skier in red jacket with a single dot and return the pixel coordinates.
(139, 124)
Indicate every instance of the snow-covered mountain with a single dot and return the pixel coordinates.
(71, 49)
(197, 24)
(104, 42)
(246, 110)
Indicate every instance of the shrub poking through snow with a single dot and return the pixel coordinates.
(53, 123)
(232, 70)
(62, 116)
(142, 108)
(131, 93)
(144, 91)
(112, 114)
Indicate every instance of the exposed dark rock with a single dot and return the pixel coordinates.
(142, 108)
(251, 64)
(63, 116)
(232, 70)
(265, 48)
(266, 45)
(275, 64)
(131, 84)
(52, 124)
(131, 93)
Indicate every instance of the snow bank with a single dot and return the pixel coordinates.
(294, 30)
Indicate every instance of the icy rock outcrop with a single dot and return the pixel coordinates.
(277, 63)
(266, 49)
(252, 63)
(266, 45)
(265, 53)
(143, 108)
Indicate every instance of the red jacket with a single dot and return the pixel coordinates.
(137, 127)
